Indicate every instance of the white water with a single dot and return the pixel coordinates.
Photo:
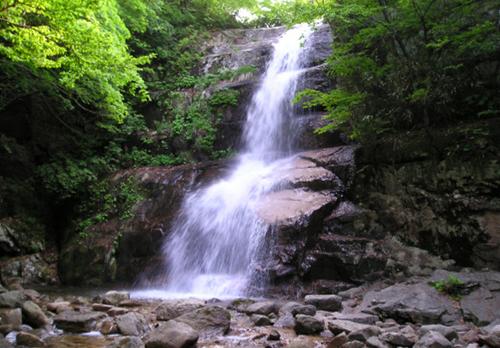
(217, 240)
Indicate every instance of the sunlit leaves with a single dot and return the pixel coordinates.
(84, 42)
(417, 62)
(338, 103)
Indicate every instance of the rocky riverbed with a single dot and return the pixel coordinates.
(447, 309)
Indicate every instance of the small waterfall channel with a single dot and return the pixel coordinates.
(218, 238)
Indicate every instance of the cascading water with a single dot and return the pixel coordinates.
(218, 237)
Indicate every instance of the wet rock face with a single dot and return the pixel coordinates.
(237, 48)
(487, 254)
(303, 247)
(23, 255)
(479, 294)
(101, 259)
(417, 303)
(232, 49)
(293, 209)
(321, 240)
(429, 196)
(18, 238)
(28, 269)
(307, 139)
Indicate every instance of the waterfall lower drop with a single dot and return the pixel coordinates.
(218, 238)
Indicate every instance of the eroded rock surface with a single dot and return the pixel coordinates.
(293, 208)
(418, 303)
(171, 309)
(172, 334)
(73, 321)
(208, 321)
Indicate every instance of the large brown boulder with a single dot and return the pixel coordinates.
(172, 334)
(207, 321)
(417, 303)
(312, 186)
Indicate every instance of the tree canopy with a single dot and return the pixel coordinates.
(74, 79)
(83, 44)
(400, 64)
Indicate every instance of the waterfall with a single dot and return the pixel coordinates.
(217, 238)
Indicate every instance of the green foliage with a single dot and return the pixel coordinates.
(83, 44)
(285, 12)
(167, 32)
(472, 141)
(109, 200)
(74, 76)
(194, 115)
(340, 105)
(224, 97)
(196, 124)
(416, 63)
(450, 286)
(140, 157)
(225, 153)
(68, 176)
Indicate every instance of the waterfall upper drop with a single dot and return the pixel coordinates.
(267, 127)
(218, 238)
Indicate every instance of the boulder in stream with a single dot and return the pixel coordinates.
(11, 317)
(172, 334)
(325, 302)
(12, 299)
(26, 339)
(114, 297)
(131, 324)
(73, 321)
(263, 308)
(34, 315)
(208, 321)
(417, 303)
(308, 325)
(171, 309)
(433, 339)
